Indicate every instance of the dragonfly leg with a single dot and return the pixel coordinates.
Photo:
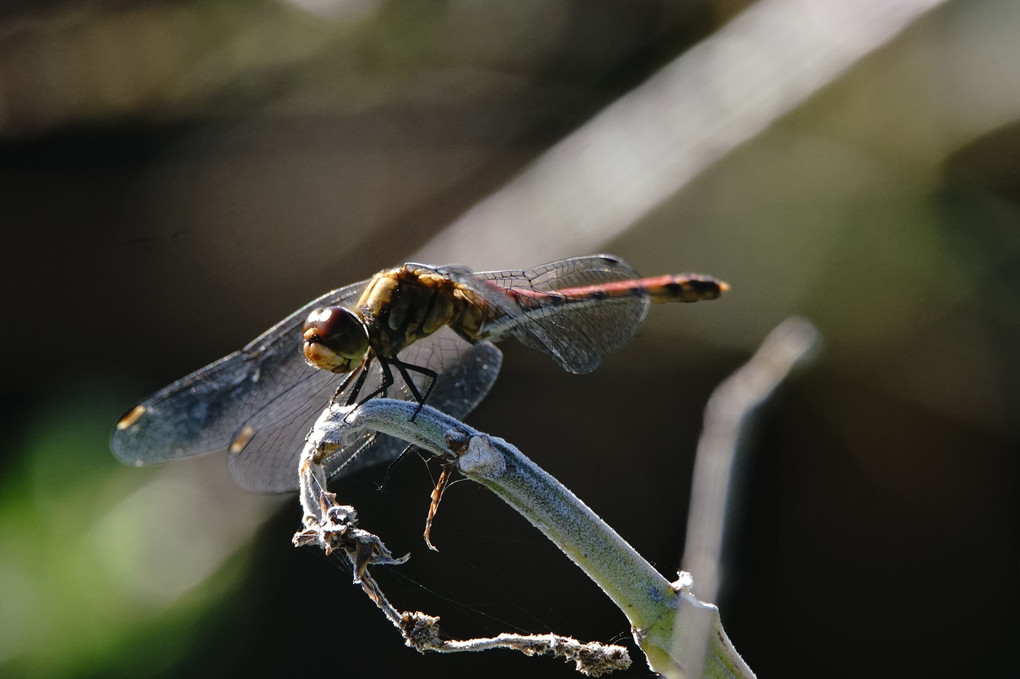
(432, 375)
(387, 382)
(360, 372)
(362, 376)
(389, 469)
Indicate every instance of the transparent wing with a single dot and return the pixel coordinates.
(576, 333)
(466, 373)
(266, 386)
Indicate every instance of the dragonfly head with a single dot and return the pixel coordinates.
(335, 339)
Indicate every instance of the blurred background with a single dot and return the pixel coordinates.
(175, 177)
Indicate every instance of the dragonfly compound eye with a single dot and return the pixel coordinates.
(335, 339)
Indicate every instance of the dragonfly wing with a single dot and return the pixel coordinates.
(264, 392)
(576, 333)
(466, 373)
(268, 460)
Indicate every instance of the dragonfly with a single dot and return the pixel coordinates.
(431, 326)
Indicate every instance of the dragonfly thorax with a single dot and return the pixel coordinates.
(403, 305)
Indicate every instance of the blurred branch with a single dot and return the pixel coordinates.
(727, 420)
(646, 146)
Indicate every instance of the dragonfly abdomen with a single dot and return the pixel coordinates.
(671, 288)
